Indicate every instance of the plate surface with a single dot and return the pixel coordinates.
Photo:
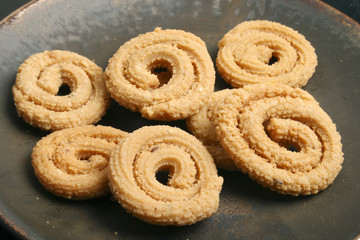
(96, 29)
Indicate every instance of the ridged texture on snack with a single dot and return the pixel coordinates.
(192, 190)
(200, 124)
(262, 51)
(164, 74)
(37, 84)
(280, 137)
(73, 163)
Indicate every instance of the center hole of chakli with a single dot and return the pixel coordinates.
(283, 141)
(64, 90)
(163, 174)
(85, 158)
(292, 148)
(289, 145)
(163, 70)
(163, 177)
(86, 155)
(273, 60)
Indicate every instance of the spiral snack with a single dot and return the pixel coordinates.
(262, 51)
(72, 162)
(192, 190)
(164, 74)
(37, 84)
(280, 137)
(201, 126)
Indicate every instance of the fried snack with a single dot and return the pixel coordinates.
(201, 126)
(73, 162)
(280, 137)
(262, 51)
(37, 84)
(190, 194)
(164, 74)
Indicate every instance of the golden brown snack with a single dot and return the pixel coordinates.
(262, 51)
(73, 162)
(37, 84)
(201, 126)
(164, 74)
(192, 190)
(280, 137)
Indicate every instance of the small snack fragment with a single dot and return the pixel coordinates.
(262, 51)
(201, 126)
(73, 162)
(38, 82)
(280, 137)
(191, 192)
(165, 74)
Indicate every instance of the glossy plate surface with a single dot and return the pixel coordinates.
(96, 29)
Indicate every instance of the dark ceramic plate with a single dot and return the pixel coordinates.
(96, 29)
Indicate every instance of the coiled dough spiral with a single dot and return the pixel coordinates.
(262, 51)
(192, 191)
(280, 137)
(164, 74)
(73, 162)
(38, 81)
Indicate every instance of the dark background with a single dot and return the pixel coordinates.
(348, 7)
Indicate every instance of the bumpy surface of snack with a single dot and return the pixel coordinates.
(38, 82)
(280, 137)
(164, 74)
(192, 190)
(262, 51)
(201, 126)
(73, 162)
